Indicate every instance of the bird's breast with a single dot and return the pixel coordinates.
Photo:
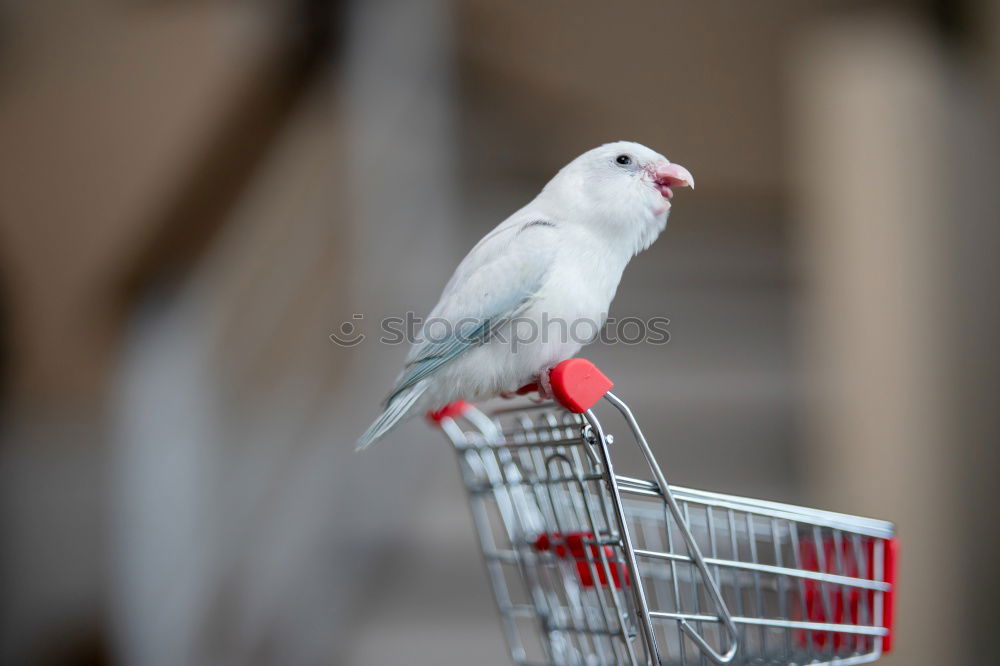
(578, 295)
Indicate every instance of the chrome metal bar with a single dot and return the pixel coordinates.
(735, 550)
(758, 597)
(500, 592)
(855, 524)
(713, 546)
(692, 545)
(696, 601)
(823, 596)
(782, 601)
(799, 586)
(582, 515)
(784, 624)
(641, 606)
(673, 575)
(797, 554)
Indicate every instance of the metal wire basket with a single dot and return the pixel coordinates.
(591, 567)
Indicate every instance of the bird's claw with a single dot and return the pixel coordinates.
(545, 385)
(542, 386)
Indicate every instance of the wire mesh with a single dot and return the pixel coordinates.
(801, 586)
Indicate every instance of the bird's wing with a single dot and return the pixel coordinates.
(494, 284)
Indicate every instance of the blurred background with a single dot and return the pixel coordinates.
(195, 194)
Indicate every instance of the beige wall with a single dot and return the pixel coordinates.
(186, 211)
(104, 111)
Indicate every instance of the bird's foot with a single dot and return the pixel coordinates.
(545, 385)
(542, 386)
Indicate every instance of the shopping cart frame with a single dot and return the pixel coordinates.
(578, 386)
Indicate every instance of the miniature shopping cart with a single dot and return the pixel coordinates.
(591, 567)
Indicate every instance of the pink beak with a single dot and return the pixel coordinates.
(667, 175)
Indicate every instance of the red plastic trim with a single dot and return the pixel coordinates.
(823, 603)
(577, 384)
(574, 547)
(889, 607)
(452, 411)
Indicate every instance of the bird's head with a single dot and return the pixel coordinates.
(625, 185)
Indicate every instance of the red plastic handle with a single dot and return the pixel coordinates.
(578, 385)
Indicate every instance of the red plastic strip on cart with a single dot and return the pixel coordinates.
(452, 411)
(577, 384)
(826, 603)
(889, 606)
(573, 546)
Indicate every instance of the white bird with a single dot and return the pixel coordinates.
(554, 263)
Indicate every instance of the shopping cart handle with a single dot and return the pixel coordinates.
(578, 385)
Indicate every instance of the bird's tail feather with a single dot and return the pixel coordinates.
(394, 412)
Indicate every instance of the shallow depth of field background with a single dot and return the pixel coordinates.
(194, 195)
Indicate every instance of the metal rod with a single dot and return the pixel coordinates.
(836, 579)
(639, 594)
(773, 622)
(696, 555)
(803, 586)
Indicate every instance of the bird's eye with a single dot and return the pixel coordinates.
(624, 160)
